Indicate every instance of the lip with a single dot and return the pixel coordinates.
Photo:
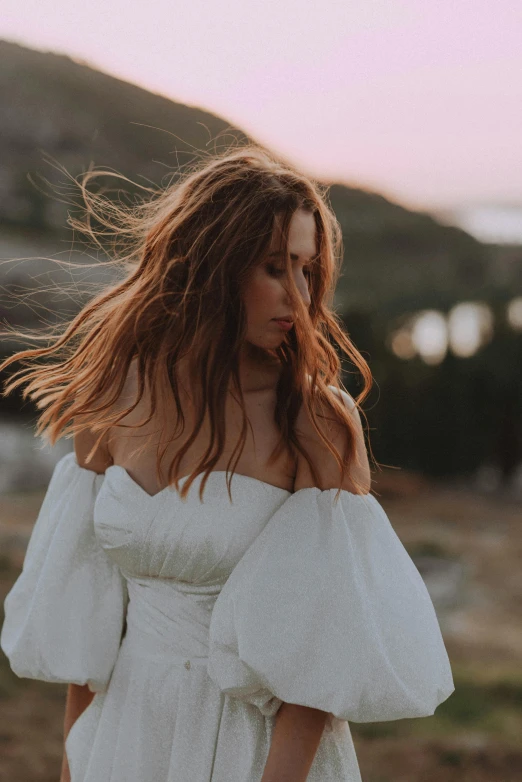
(285, 325)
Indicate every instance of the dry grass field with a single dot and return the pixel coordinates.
(467, 547)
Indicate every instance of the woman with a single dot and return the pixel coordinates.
(208, 634)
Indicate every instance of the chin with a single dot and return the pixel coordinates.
(262, 351)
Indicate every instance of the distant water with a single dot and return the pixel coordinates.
(24, 256)
(491, 223)
(26, 461)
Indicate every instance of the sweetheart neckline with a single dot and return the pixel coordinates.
(212, 472)
(172, 488)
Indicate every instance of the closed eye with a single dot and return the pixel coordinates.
(276, 272)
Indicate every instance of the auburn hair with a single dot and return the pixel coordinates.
(183, 255)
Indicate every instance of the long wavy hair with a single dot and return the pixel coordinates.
(188, 251)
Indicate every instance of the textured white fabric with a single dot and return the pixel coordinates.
(326, 609)
(64, 616)
(194, 621)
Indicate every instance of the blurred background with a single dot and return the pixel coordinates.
(413, 115)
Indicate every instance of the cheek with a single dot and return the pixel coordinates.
(262, 294)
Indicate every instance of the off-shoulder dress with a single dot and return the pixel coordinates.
(193, 621)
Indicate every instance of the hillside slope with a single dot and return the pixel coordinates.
(52, 105)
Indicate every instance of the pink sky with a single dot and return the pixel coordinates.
(419, 100)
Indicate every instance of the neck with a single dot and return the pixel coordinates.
(258, 369)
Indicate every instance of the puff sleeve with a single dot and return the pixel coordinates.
(327, 610)
(65, 614)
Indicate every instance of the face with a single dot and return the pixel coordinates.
(265, 296)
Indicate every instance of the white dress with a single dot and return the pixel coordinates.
(192, 622)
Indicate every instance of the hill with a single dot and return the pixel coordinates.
(56, 106)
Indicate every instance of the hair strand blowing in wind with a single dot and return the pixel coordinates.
(182, 257)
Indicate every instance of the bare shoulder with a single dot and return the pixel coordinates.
(323, 460)
(85, 440)
(83, 443)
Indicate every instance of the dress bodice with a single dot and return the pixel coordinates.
(163, 536)
(175, 554)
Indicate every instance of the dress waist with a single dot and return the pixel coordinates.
(169, 620)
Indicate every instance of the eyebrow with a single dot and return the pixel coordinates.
(293, 256)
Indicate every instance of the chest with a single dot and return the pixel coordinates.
(136, 448)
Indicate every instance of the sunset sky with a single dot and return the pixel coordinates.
(421, 101)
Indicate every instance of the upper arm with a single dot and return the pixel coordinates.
(324, 461)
